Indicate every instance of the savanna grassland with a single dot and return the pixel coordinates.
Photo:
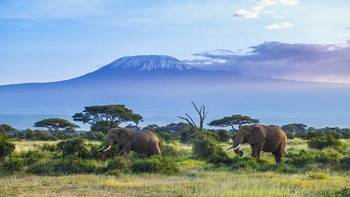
(194, 177)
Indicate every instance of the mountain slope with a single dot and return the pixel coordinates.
(161, 87)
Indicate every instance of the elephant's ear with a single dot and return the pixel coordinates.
(124, 136)
(257, 134)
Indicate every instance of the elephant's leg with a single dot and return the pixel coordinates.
(256, 149)
(126, 147)
(278, 156)
(279, 153)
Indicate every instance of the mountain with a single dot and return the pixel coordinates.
(160, 88)
(148, 62)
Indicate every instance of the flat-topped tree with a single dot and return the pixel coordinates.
(233, 120)
(6, 128)
(104, 117)
(55, 125)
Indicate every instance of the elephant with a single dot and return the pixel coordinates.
(261, 138)
(140, 141)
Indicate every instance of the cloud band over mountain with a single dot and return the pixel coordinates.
(304, 62)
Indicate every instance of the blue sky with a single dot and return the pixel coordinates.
(49, 40)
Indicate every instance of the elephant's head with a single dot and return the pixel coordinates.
(116, 136)
(250, 134)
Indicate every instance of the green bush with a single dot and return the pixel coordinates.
(223, 136)
(166, 137)
(13, 163)
(117, 163)
(244, 163)
(210, 151)
(42, 168)
(155, 164)
(327, 157)
(43, 136)
(112, 152)
(344, 164)
(49, 147)
(32, 156)
(74, 146)
(169, 151)
(344, 192)
(6, 147)
(324, 142)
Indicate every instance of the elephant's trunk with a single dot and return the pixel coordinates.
(237, 143)
(107, 146)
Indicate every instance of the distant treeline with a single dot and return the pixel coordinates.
(179, 131)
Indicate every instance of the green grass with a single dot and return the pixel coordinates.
(196, 178)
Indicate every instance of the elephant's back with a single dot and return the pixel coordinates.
(144, 141)
(275, 138)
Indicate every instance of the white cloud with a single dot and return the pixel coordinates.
(261, 5)
(282, 25)
(245, 14)
(289, 2)
(343, 35)
(277, 16)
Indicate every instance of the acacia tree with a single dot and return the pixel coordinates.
(54, 125)
(6, 128)
(233, 120)
(103, 118)
(295, 127)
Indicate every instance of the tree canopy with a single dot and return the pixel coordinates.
(233, 120)
(54, 125)
(103, 118)
(295, 127)
(6, 128)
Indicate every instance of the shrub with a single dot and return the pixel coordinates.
(43, 136)
(342, 192)
(32, 156)
(344, 163)
(76, 147)
(6, 147)
(290, 135)
(166, 137)
(13, 163)
(75, 165)
(169, 151)
(49, 147)
(324, 142)
(327, 157)
(155, 164)
(223, 135)
(117, 163)
(245, 163)
(206, 148)
(42, 168)
(210, 151)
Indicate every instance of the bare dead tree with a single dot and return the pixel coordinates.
(202, 115)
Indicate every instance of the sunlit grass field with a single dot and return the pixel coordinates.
(196, 178)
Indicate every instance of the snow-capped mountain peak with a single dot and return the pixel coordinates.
(149, 62)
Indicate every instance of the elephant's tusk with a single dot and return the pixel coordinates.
(237, 147)
(100, 149)
(109, 147)
(229, 148)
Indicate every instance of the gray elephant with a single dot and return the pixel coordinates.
(261, 138)
(140, 141)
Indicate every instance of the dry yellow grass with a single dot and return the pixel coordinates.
(204, 183)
